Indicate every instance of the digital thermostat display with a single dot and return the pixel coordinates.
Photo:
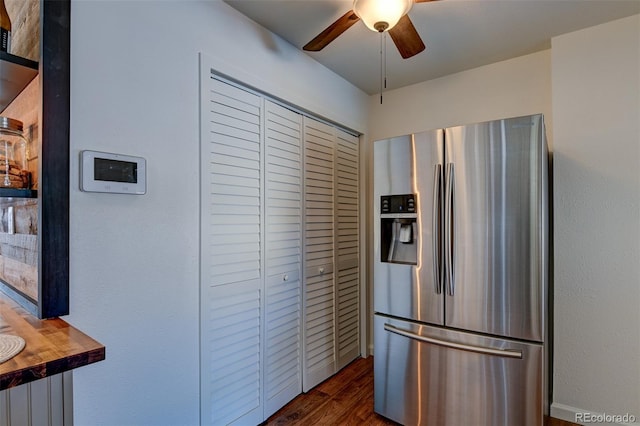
(116, 173)
(115, 170)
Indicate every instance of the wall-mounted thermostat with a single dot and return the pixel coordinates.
(115, 173)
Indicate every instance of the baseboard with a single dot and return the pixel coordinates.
(563, 412)
(584, 417)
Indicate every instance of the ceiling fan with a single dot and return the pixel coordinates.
(379, 16)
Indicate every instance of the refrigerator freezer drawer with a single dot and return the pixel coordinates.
(434, 376)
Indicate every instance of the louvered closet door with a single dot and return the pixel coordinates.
(319, 343)
(283, 217)
(231, 281)
(347, 249)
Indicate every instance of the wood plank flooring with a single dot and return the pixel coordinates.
(345, 399)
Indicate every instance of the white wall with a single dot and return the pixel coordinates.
(511, 88)
(596, 111)
(134, 259)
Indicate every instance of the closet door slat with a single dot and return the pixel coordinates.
(231, 271)
(347, 248)
(283, 256)
(319, 184)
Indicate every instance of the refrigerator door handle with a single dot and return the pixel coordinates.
(435, 227)
(508, 353)
(448, 227)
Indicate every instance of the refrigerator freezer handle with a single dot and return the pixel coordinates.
(448, 227)
(435, 227)
(508, 353)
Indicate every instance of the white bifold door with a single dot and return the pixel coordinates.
(331, 254)
(251, 257)
(231, 257)
(319, 186)
(283, 289)
(279, 254)
(347, 240)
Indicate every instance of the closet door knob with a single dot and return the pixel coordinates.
(285, 277)
(321, 269)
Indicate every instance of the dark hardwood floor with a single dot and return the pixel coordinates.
(345, 399)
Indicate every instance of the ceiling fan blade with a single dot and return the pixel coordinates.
(332, 32)
(406, 38)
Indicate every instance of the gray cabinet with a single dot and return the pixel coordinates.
(44, 402)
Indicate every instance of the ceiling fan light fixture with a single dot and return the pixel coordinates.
(381, 15)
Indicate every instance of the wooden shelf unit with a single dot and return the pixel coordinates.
(15, 74)
(53, 71)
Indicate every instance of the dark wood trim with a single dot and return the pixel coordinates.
(18, 193)
(53, 190)
(16, 73)
(9, 59)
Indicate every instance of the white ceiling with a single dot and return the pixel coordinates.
(459, 34)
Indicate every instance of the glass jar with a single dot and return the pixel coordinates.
(14, 171)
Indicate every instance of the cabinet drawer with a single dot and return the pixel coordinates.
(430, 375)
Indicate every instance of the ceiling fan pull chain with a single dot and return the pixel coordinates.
(385, 60)
(381, 67)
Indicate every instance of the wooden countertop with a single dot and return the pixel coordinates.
(52, 346)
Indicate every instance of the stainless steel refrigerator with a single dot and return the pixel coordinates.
(461, 275)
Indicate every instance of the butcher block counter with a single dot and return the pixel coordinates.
(52, 346)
